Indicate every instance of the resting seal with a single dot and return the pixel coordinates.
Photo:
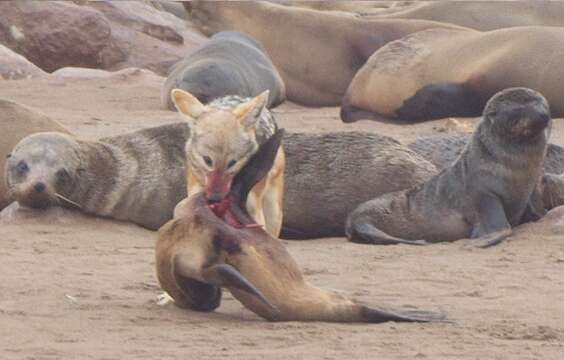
(439, 73)
(491, 187)
(207, 247)
(317, 53)
(230, 63)
(134, 177)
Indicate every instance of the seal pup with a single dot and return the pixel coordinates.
(224, 135)
(491, 187)
(17, 122)
(230, 63)
(205, 248)
(441, 73)
(316, 52)
(135, 177)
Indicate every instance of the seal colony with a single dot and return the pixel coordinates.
(341, 43)
(439, 73)
(491, 187)
(203, 249)
(229, 63)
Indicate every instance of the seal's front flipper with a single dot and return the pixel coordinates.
(377, 316)
(492, 227)
(196, 295)
(226, 275)
(256, 169)
(365, 233)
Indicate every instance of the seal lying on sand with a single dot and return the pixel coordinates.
(206, 247)
(491, 187)
(17, 122)
(317, 53)
(479, 15)
(230, 63)
(134, 177)
(362, 166)
(439, 73)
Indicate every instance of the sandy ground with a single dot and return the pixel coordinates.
(78, 287)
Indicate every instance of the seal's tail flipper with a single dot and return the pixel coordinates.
(365, 233)
(227, 276)
(371, 315)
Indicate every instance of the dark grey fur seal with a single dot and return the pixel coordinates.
(491, 187)
(136, 177)
(230, 63)
(443, 150)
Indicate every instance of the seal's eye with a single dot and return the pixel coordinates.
(62, 175)
(8, 156)
(231, 164)
(208, 160)
(22, 167)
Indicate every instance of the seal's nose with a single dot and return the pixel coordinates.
(39, 187)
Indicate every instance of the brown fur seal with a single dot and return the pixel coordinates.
(134, 177)
(202, 249)
(317, 53)
(230, 63)
(329, 174)
(491, 187)
(440, 73)
(16, 122)
(479, 15)
(361, 166)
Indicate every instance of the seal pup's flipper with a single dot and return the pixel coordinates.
(492, 227)
(372, 315)
(256, 169)
(365, 233)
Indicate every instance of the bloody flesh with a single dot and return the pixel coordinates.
(223, 211)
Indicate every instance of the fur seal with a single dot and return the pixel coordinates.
(134, 177)
(479, 15)
(491, 187)
(230, 63)
(317, 53)
(17, 122)
(203, 249)
(439, 73)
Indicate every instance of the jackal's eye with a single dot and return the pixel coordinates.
(207, 160)
(231, 163)
(22, 167)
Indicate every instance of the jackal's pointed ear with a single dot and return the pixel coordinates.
(249, 113)
(187, 104)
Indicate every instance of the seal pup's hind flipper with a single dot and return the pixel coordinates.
(372, 315)
(365, 233)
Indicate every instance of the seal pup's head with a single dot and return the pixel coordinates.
(221, 141)
(42, 169)
(518, 115)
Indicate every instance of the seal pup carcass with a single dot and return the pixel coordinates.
(206, 247)
(229, 63)
(491, 187)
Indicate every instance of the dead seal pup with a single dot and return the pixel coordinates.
(207, 247)
(229, 63)
(491, 187)
(135, 177)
